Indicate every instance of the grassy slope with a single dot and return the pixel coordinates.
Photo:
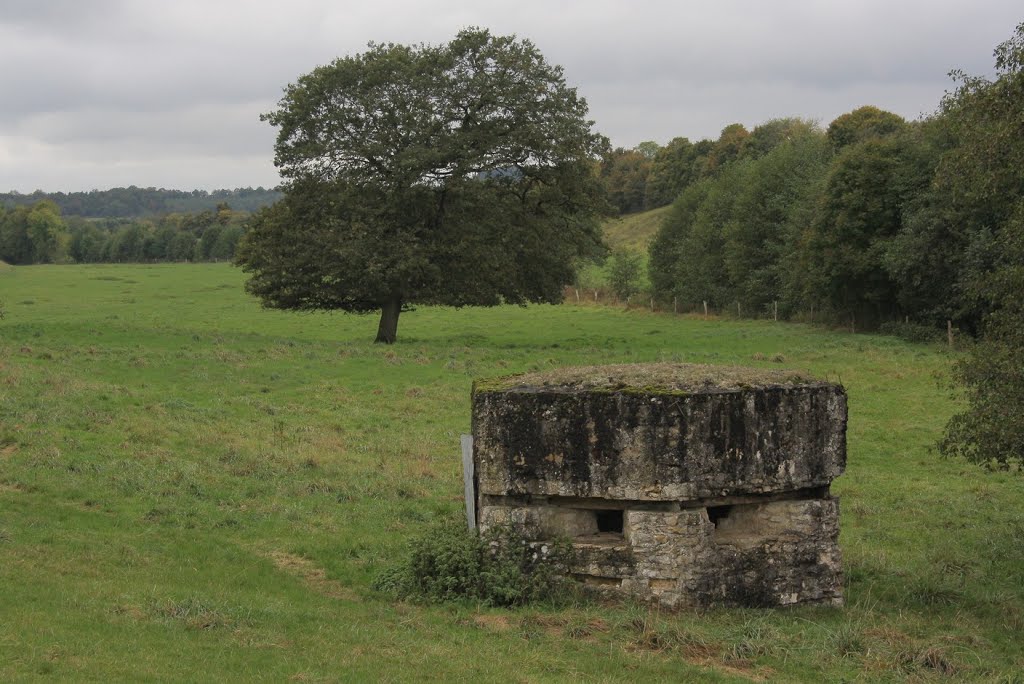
(634, 231)
(193, 488)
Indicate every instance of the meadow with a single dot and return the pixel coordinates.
(193, 488)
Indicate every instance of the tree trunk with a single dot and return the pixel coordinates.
(387, 330)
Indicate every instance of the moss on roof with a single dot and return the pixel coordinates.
(653, 378)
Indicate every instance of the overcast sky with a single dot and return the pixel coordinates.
(168, 93)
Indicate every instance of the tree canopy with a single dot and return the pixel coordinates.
(459, 174)
(982, 180)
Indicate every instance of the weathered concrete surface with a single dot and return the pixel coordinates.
(661, 443)
(688, 485)
(768, 554)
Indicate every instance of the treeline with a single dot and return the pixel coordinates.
(650, 175)
(39, 234)
(135, 202)
(872, 220)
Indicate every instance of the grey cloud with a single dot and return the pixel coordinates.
(96, 91)
(57, 15)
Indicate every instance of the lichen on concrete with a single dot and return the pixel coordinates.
(646, 378)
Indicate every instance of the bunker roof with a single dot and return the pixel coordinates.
(648, 378)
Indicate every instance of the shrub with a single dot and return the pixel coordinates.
(624, 274)
(912, 332)
(497, 568)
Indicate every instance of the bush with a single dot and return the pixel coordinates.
(912, 332)
(991, 377)
(497, 568)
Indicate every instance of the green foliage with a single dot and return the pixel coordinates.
(624, 273)
(735, 237)
(500, 567)
(670, 250)
(38, 234)
(862, 124)
(775, 132)
(32, 234)
(729, 147)
(991, 376)
(624, 175)
(912, 332)
(984, 175)
(673, 169)
(772, 204)
(459, 174)
(868, 188)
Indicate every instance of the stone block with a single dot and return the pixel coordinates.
(687, 485)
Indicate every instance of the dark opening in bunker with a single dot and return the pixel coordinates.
(718, 513)
(609, 521)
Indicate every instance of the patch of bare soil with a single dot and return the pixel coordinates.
(735, 669)
(492, 623)
(313, 576)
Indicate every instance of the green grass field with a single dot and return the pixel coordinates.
(195, 489)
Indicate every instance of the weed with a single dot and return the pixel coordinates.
(498, 568)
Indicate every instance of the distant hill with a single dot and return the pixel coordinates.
(634, 231)
(135, 202)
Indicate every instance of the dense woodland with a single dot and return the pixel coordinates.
(135, 202)
(125, 225)
(39, 234)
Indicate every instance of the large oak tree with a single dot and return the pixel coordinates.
(459, 174)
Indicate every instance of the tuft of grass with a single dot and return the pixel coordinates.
(197, 613)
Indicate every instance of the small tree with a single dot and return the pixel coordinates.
(460, 174)
(624, 273)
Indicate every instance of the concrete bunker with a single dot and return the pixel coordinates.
(684, 484)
